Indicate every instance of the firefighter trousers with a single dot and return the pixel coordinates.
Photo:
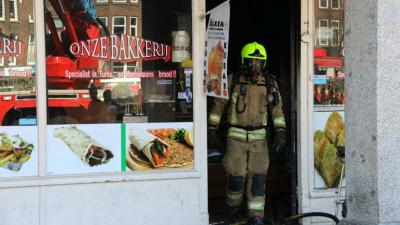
(250, 161)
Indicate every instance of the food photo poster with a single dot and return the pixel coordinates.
(329, 138)
(18, 151)
(88, 148)
(155, 146)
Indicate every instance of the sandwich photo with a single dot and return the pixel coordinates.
(14, 151)
(85, 147)
(159, 148)
(215, 68)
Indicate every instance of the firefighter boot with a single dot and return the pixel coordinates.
(256, 220)
(232, 211)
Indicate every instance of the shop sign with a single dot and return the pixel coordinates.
(12, 48)
(84, 74)
(319, 79)
(122, 48)
(22, 71)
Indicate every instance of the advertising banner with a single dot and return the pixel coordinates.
(18, 151)
(329, 139)
(216, 54)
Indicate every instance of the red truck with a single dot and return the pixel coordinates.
(68, 99)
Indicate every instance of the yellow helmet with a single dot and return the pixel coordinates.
(254, 50)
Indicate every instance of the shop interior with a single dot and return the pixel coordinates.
(275, 24)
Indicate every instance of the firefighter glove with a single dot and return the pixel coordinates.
(279, 140)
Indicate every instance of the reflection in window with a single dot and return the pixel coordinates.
(335, 32)
(104, 20)
(13, 10)
(31, 50)
(118, 25)
(133, 26)
(335, 4)
(323, 4)
(2, 10)
(323, 32)
(12, 60)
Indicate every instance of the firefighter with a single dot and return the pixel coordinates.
(253, 95)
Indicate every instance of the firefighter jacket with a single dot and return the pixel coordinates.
(248, 108)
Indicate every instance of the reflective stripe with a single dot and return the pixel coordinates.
(234, 199)
(243, 135)
(232, 118)
(214, 119)
(265, 119)
(256, 206)
(234, 196)
(279, 121)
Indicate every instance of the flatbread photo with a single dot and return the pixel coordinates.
(14, 151)
(88, 150)
(160, 148)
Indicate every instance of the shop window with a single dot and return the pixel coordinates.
(2, 17)
(324, 32)
(323, 4)
(13, 10)
(335, 4)
(18, 130)
(120, 90)
(329, 99)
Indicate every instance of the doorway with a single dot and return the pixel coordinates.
(276, 25)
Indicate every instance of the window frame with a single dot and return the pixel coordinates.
(15, 19)
(3, 11)
(119, 1)
(113, 23)
(338, 4)
(133, 26)
(320, 32)
(31, 47)
(106, 21)
(134, 1)
(323, 7)
(332, 32)
(43, 179)
(101, 1)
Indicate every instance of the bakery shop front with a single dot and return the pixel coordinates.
(104, 105)
(97, 112)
